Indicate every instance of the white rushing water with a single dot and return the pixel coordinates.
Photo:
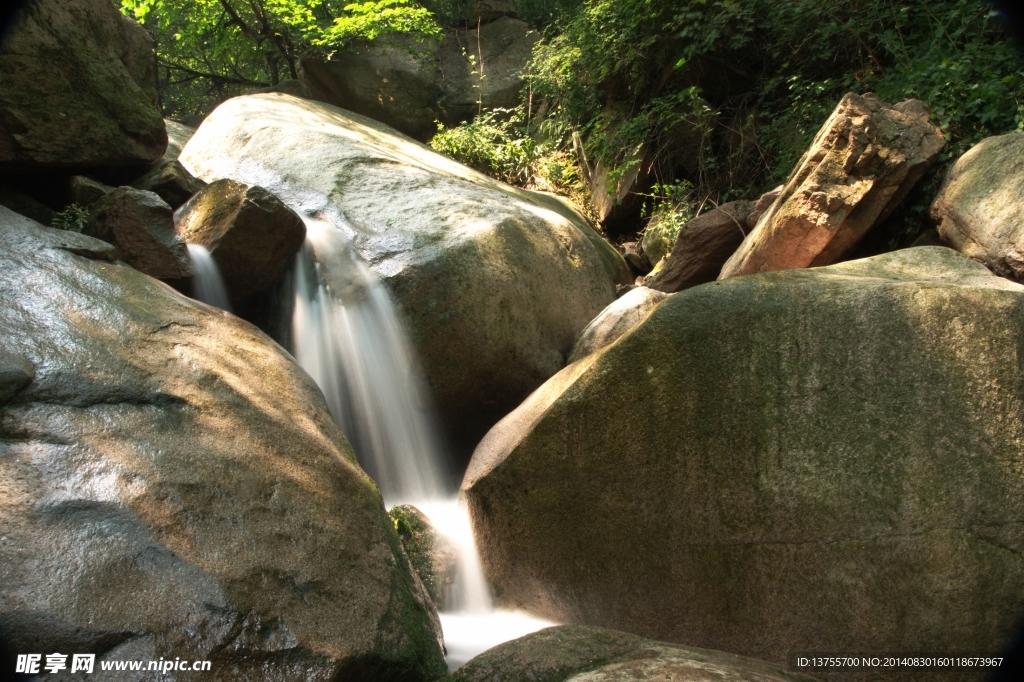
(346, 333)
(207, 284)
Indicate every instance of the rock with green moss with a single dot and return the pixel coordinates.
(823, 459)
(572, 653)
(980, 208)
(77, 89)
(433, 555)
(494, 282)
(175, 486)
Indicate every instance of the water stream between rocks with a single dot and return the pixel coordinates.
(347, 335)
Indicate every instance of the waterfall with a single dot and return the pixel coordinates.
(347, 335)
(207, 284)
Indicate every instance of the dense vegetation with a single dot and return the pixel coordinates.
(720, 98)
(713, 99)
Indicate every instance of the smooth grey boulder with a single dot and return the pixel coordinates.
(171, 182)
(85, 191)
(571, 653)
(410, 86)
(174, 486)
(980, 209)
(623, 314)
(77, 89)
(141, 225)
(494, 282)
(809, 460)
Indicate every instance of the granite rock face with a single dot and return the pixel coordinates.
(174, 486)
(820, 459)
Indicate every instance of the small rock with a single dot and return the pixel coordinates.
(703, 246)
(929, 238)
(657, 240)
(631, 252)
(178, 135)
(433, 556)
(85, 191)
(249, 232)
(141, 225)
(980, 208)
(763, 203)
(171, 182)
(862, 163)
(615, 320)
(486, 11)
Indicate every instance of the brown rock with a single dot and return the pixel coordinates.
(249, 232)
(862, 163)
(586, 654)
(76, 89)
(171, 182)
(703, 246)
(929, 238)
(636, 260)
(433, 556)
(763, 203)
(141, 225)
(980, 208)
(486, 11)
(174, 486)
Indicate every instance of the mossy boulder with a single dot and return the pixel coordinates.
(494, 282)
(433, 555)
(980, 208)
(174, 486)
(77, 89)
(825, 459)
(571, 653)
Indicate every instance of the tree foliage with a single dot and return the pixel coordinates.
(727, 94)
(208, 50)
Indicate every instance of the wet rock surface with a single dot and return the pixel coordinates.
(494, 282)
(163, 500)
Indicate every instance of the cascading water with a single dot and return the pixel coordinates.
(207, 284)
(347, 335)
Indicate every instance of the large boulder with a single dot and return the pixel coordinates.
(703, 246)
(980, 209)
(810, 460)
(863, 161)
(174, 486)
(411, 86)
(494, 282)
(77, 89)
(249, 232)
(141, 225)
(571, 653)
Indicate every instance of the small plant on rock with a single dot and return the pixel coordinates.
(73, 219)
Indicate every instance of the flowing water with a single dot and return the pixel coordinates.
(207, 284)
(347, 335)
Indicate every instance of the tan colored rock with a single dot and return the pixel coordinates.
(174, 486)
(251, 234)
(178, 135)
(626, 312)
(980, 208)
(863, 161)
(141, 225)
(821, 459)
(572, 653)
(702, 247)
(494, 282)
(77, 89)
(763, 203)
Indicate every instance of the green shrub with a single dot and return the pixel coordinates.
(74, 218)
